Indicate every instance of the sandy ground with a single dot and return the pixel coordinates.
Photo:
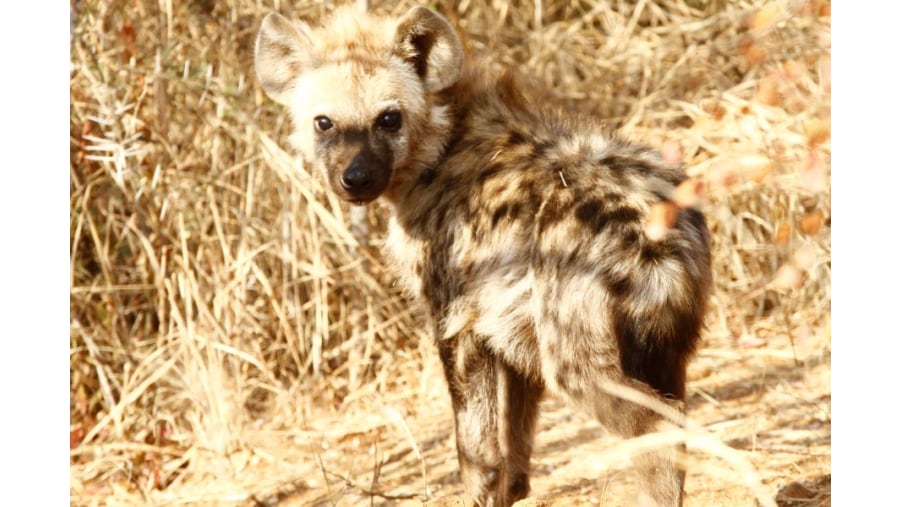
(770, 402)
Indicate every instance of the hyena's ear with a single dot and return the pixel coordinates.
(282, 54)
(426, 39)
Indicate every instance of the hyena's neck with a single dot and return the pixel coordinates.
(481, 96)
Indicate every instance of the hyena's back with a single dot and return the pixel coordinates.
(536, 240)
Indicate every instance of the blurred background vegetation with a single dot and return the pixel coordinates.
(218, 289)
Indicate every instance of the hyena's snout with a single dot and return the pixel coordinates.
(363, 179)
(358, 178)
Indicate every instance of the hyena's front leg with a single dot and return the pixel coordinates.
(495, 410)
(471, 371)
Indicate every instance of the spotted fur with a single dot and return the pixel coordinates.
(521, 229)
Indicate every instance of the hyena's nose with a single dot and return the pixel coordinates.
(356, 178)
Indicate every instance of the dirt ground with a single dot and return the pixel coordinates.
(772, 404)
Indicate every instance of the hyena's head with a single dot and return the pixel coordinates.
(360, 91)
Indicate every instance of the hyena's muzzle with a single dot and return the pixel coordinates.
(358, 167)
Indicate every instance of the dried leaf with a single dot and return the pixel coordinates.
(722, 175)
(715, 109)
(782, 235)
(812, 222)
(794, 70)
(817, 131)
(671, 152)
(824, 38)
(750, 341)
(795, 105)
(767, 91)
(662, 217)
(76, 436)
(749, 125)
(689, 193)
(239, 460)
(756, 166)
(825, 73)
(805, 258)
(788, 277)
(762, 174)
(752, 51)
(128, 37)
(813, 177)
(766, 17)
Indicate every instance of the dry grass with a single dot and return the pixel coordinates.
(233, 343)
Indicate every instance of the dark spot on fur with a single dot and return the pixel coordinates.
(573, 258)
(612, 198)
(499, 214)
(562, 380)
(654, 251)
(630, 236)
(515, 138)
(489, 172)
(440, 218)
(514, 211)
(595, 215)
(619, 164)
(552, 212)
(624, 215)
(447, 353)
(642, 168)
(539, 150)
(588, 213)
(519, 486)
(427, 177)
(506, 210)
(467, 270)
(617, 283)
(677, 178)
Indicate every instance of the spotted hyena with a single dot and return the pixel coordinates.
(521, 229)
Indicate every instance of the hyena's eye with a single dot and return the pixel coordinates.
(390, 121)
(323, 123)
